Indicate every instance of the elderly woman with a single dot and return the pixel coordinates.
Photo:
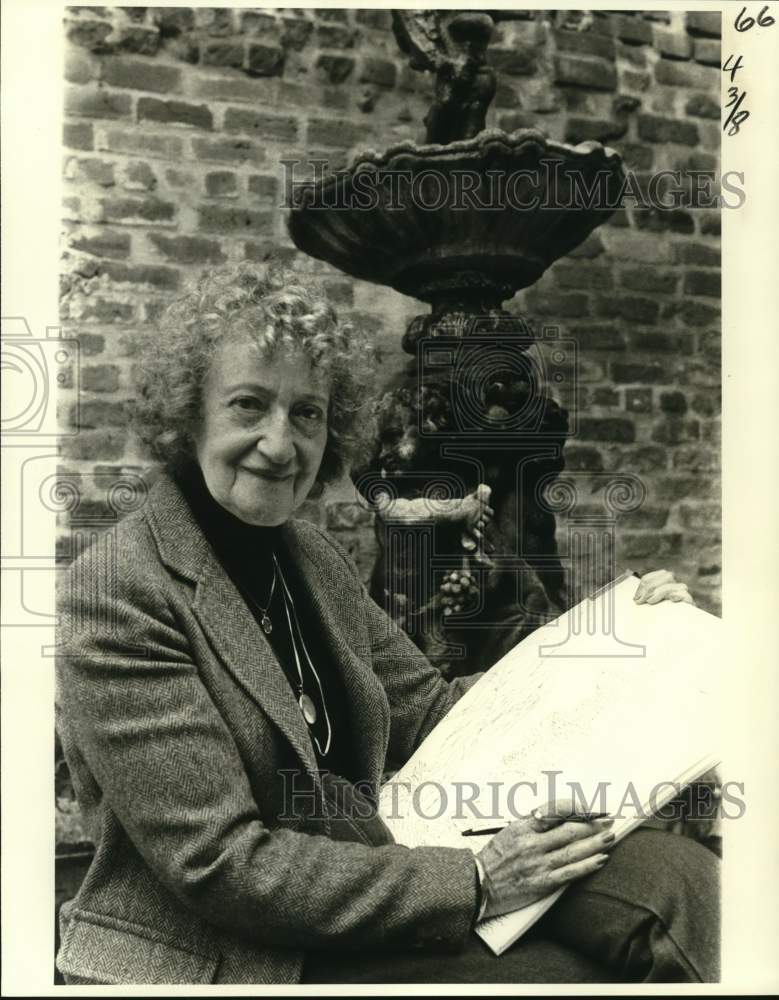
(230, 695)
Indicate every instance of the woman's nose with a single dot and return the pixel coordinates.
(276, 442)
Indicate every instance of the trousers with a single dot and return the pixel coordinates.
(651, 915)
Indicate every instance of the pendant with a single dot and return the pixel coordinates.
(267, 626)
(308, 708)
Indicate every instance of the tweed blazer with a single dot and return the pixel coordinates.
(215, 857)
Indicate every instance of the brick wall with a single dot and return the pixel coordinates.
(177, 120)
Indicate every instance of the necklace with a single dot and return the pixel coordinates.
(305, 702)
(265, 622)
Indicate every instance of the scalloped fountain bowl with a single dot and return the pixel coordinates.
(485, 216)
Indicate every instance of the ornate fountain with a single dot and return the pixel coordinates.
(468, 437)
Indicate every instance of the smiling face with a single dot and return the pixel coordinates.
(263, 432)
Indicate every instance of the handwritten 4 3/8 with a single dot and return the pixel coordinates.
(736, 117)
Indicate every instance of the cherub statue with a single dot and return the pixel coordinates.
(451, 44)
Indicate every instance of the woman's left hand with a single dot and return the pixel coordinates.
(661, 585)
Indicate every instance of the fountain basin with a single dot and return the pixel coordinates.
(486, 215)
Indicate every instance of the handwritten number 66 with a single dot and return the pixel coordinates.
(764, 20)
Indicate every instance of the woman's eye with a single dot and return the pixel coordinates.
(247, 404)
(311, 414)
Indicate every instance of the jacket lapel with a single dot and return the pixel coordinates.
(224, 617)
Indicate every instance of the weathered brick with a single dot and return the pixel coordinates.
(90, 344)
(188, 249)
(134, 74)
(144, 209)
(263, 186)
(92, 446)
(606, 429)
(335, 133)
(707, 403)
(142, 41)
(706, 23)
(89, 103)
(644, 460)
(660, 220)
(179, 179)
(92, 35)
(90, 171)
(335, 68)
(78, 135)
(255, 23)
(380, 72)
(581, 458)
(221, 184)
(173, 20)
(599, 338)
(126, 141)
(661, 342)
(295, 33)
(644, 280)
(515, 61)
(100, 378)
(586, 42)
(598, 129)
(379, 19)
(79, 68)
(228, 150)
(647, 372)
(631, 54)
(708, 283)
(222, 54)
(98, 413)
(334, 36)
(708, 52)
(139, 176)
(217, 21)
(184, 49)
(693, 458)
(597, 74)
(605, 396)
(559, 305)
(265, 60)
(174, 113)
(653, 128)
(676, 487)
(702, 106)
(691, 313)
(631, 80)
(638, 400)
(274, 127)
(645, 518)
(232, 219)
(679, 74)
(673, 402)
(629, 307)
(673, 430)
(700, 515)
(673, 45)
(710, 223)
(641, 545)
(637, 156)
(583, 276)
(143, 274)
(103, 243)
(633, 30)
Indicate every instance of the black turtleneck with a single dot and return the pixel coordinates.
(246, 552)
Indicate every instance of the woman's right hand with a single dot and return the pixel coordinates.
(540, 853)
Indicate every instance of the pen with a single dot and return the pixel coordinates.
(577, 818)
